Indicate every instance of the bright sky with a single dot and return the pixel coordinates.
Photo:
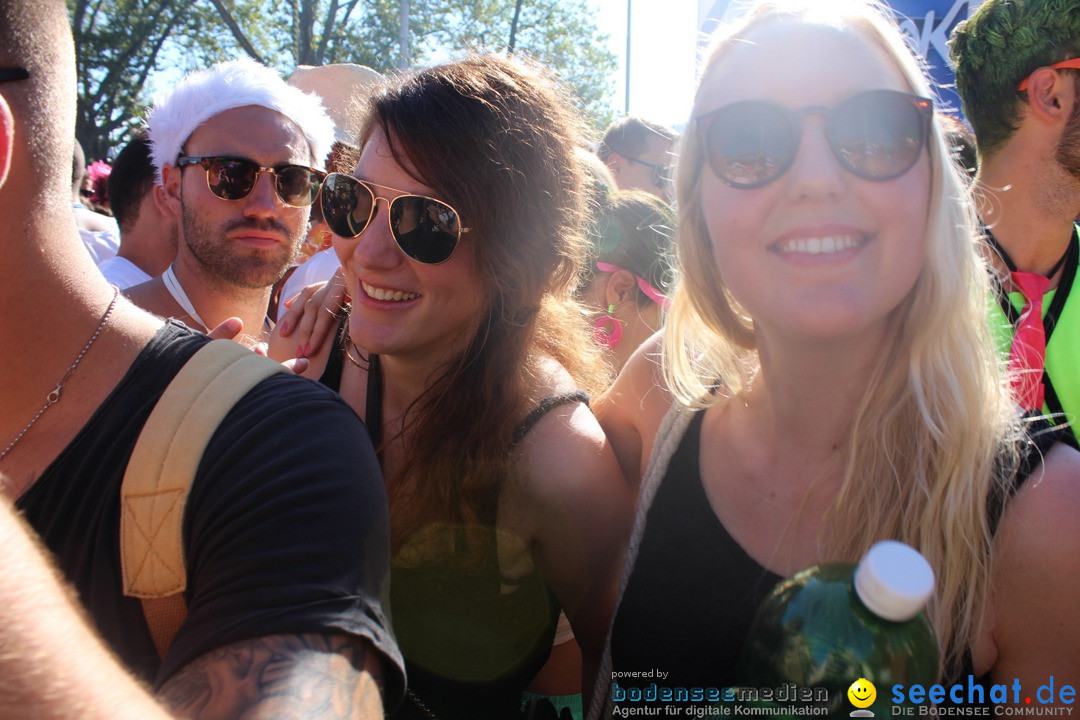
(662, 57)
(663, 47)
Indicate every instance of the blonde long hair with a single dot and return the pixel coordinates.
(934, 434)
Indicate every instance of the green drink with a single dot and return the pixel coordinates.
(833, 625)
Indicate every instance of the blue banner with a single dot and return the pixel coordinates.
(927, 23)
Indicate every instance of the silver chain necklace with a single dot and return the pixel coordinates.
(54, 397)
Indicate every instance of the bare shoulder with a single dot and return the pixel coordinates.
(152, 297)
(567, 443)
(313, 675)
(138, 294)
(87, 219)
(574, 508)
(1037, 575)
(631, 411)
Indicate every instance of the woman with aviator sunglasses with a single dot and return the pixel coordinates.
(827, 376)
(466, 355)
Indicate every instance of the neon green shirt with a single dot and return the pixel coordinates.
(1062, 348)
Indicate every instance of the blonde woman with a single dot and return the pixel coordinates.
(830, 371)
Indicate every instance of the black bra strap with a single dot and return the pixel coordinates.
(373, 401)
(546, 405)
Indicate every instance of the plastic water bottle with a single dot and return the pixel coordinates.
(852, 630)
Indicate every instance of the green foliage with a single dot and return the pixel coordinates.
(117, 44)
(121, 42)
(559, 33)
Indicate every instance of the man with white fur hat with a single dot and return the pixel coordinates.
(240, 155)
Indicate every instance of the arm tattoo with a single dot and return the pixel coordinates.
(313, 675)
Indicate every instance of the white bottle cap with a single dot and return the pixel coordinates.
(894, 581)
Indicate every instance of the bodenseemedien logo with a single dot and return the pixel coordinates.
(862, 695)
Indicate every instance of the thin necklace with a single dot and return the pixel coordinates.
(54, 397)
(177, 291)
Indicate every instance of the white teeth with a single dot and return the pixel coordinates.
(387, 295)
(819, 246)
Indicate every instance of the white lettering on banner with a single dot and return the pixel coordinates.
(935, 34)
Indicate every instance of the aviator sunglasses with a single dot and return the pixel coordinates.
(426, 229)
(232, 178)
(876, 135)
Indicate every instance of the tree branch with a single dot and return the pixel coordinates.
(327, 27)
(237, 33)
(305, 30)
(348, 11)
(514, 26)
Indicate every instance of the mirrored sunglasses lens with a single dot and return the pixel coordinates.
(749, 144)
(231, 179)
(297, 186)
(346, 205)
(425, 229)
(878, 136)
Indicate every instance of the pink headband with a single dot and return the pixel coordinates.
(650, 292)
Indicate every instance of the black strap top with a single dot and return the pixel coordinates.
(331, 377)
(473, 636)
(693, 591)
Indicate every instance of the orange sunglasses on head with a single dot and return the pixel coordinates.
(1073, 63)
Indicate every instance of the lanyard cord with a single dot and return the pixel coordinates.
(1007, 259)
(181, 298)
(1049, 319)
(1069, 259)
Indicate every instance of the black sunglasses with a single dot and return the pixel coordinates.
(876, 135)
(233, 178)
(13, 73)
(661, 174)
(426, 229)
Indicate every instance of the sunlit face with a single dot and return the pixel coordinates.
(247, 243)
(401, 306)
(819, 253)
(635, 174)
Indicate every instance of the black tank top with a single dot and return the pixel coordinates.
(693, 591)
(473, 638)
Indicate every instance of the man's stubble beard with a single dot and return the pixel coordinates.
(245, 268)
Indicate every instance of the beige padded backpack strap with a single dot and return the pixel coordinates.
(160, 472)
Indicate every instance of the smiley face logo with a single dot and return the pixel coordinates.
(862, 693)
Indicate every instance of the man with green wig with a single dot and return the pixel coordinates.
(1018, 75)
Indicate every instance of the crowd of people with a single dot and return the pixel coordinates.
(551, 409)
